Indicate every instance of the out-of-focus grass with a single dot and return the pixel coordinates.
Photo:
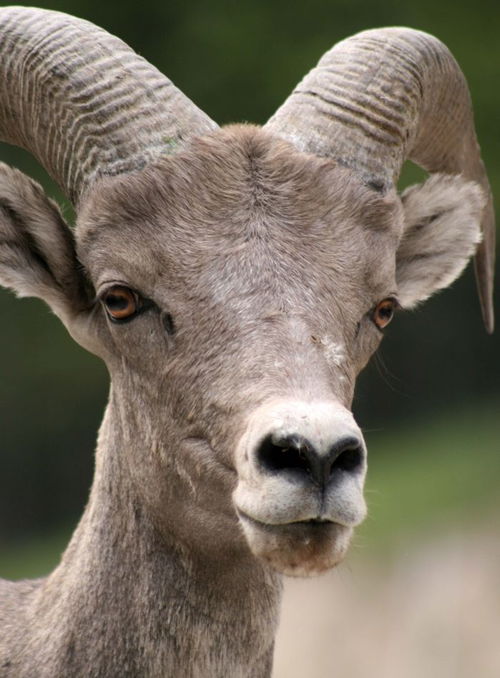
(442, 471)
(34, 557)
(437, 472)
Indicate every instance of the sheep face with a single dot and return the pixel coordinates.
(235, 291)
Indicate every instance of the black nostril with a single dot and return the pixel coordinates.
(347, 455)
(344, 456)
(280, 453)
(349, 459)
(297, 456)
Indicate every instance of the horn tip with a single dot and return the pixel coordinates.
(489, 322)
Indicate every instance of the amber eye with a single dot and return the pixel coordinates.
(384, 312)
(120, 302)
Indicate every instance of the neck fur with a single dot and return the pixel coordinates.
(155, 603)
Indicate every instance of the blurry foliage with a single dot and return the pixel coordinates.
(238, 61)
(442, 476)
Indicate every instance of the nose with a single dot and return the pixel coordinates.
(301, 460)
(296, 456)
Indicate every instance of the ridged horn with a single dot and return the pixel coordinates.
(84, 103)
(384, 96)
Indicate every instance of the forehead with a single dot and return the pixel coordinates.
(238, 204)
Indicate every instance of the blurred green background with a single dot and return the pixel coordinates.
(430, 400)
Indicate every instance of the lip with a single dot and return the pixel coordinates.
(310, 522)
(316, 521)
(302, 548)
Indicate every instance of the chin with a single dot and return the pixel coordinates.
(301, 549)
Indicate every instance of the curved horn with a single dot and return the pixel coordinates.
(84, 103)
(384, 96)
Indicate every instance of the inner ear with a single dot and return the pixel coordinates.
(442, 228)
(37, 249)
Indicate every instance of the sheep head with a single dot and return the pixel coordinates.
(235, 288)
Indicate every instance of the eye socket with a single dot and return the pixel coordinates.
(120, 302)
(384, 312)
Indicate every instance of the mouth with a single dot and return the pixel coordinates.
(298, 549)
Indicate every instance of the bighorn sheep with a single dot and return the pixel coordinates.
(235, 281)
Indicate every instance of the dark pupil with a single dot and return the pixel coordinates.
(385, 311)
(117, 302)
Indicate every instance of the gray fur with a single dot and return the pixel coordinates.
(235, 238)
(269, 262)
(440, 236)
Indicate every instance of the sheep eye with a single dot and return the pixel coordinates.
(121, 303)
(384, 312)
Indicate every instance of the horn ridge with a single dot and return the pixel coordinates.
(83, 102)
(384, 96)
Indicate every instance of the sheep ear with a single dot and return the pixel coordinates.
(37, 252)
(442, 228)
